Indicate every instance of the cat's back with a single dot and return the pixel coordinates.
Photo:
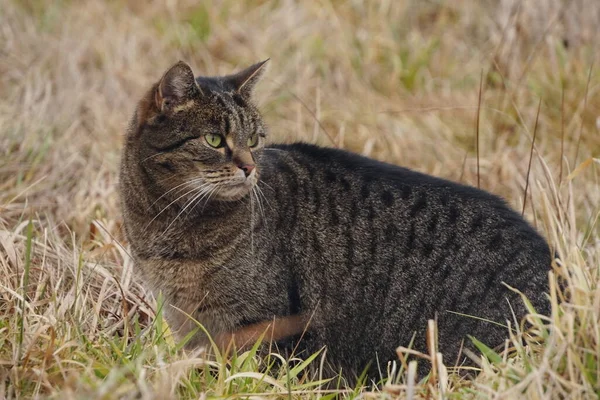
(385, 247)
(370, 180)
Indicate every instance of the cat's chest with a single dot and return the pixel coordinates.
(230, 241)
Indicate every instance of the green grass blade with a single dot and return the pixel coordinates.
(488, 353)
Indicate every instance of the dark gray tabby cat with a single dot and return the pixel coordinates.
(237, 233)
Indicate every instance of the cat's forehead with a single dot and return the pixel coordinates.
(229, 100)
(228, 108)
(225, 110)
(218, 94)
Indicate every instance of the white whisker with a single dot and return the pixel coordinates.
(169, 205)
(266, 184)
(215, 188)
(264, 197)
(178, 186)
(255, 192)
(177, 199)
(200, 194)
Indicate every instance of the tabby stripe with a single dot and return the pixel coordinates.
(349, 251)
(235, 112)
(290, 216)
(367, 273)
(468, 272)
(173, 146)
(294, 297)
(230, 110)
(241, 117)
(220, 100)
(389, 278)
(506, 266)
(317, 201)
(227, 125)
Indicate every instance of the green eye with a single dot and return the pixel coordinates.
(253, 141)
(214, 140)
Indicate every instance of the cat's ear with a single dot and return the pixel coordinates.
(176, 88)
(243, 82)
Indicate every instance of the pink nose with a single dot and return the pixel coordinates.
(247, 168)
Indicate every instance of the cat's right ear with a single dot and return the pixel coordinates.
(176, 89)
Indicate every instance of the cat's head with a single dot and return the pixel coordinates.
(199, 137)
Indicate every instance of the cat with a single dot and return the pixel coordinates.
(236, 233)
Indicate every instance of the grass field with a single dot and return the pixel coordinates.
(412, 82)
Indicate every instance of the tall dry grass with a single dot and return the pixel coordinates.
(398, 81)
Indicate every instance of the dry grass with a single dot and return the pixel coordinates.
(398, 81)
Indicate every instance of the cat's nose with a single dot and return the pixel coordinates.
(247, 168)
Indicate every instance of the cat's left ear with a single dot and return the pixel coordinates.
(177, 87)
(243, 82)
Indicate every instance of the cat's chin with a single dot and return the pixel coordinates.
(234, 192)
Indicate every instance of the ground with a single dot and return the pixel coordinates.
(502, 94)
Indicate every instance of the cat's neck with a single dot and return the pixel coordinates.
(198, 232)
